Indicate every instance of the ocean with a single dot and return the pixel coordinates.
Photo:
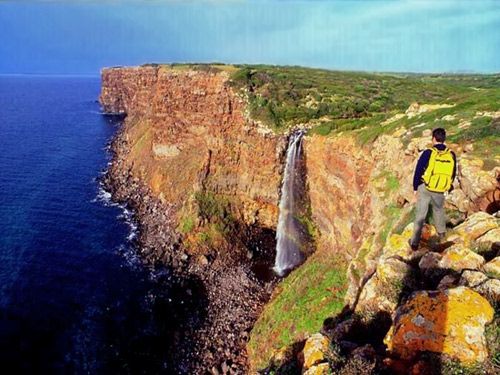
(74, 297)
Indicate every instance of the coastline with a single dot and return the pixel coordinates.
(225, 294)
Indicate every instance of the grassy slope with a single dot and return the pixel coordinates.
(333, 102)
(300, 304)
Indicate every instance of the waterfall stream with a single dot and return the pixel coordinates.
(288, 233)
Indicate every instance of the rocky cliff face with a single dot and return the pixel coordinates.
(188, 132)
(204, 181)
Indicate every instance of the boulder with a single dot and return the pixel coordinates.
(397, 244)
(382, 292)
(430, 261)
(473, 227)
(321, 369)
(314, 351)
(493, 267)
(165, 150)
(474, 181)
(448, 282)
(451, 322)
(492, 236)
(458, 257)
(478, 281)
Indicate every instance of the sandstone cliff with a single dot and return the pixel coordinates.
(188, 131)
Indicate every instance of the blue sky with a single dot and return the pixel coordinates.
(80, 37)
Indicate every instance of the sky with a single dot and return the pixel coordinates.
(81, 37)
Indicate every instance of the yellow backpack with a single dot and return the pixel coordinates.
(438, 175)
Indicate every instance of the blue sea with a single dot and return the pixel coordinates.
(74, 299)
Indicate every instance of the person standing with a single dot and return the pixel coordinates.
(434, 175)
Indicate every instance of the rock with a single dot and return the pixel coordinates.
(392, 119)
(321, 369)
(493, 267)
(165, 151)
(448, 117)
(478, 281)
(416, 109)
(474, 227)
(429, 261)
(472, 278)
(427, 133)
(469, 147)
(450, 322)
(464, 124)
(458, 199)
(397, 244)
(417, 144)
(281, 356)
(399, 132)
(314, 351)
(202, 260)
(448, 282)
(474, 181)
(457, 258)
(383, 290)
(492, 236)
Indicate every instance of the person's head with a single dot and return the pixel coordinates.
(438, 135)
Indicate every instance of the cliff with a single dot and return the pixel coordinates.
(188, 131)
(204, 181)
(201, 154)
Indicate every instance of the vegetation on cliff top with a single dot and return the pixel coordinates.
(370, 104)
(282, 96)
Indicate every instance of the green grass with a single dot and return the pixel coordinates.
(302, 301)
(186, 224)
(215, 209)
(391, 214)
(284, 96)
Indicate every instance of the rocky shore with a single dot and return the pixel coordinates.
(223, 291)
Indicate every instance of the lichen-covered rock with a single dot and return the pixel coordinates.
(474, 227)
(478, 281)
(383, 290)
(321, 369)
(457, 258)
(474, 181)
(493, 267)
(281, 356)
(450, 322)
(492, 236)
(472, 278)
(397, 244)
(314, 351)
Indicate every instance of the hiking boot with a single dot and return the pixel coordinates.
(413, 246)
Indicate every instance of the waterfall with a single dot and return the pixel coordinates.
(288, 233)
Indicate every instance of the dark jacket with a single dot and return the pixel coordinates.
(422, 163)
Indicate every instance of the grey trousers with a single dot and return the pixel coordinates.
(426, 197)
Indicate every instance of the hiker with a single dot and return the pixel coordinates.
(434, 175)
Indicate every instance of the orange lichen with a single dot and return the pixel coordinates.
(450, 322)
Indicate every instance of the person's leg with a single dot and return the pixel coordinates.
(438, 213)
(423, 201)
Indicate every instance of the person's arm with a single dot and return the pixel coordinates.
(454, 170)
(422, 163)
